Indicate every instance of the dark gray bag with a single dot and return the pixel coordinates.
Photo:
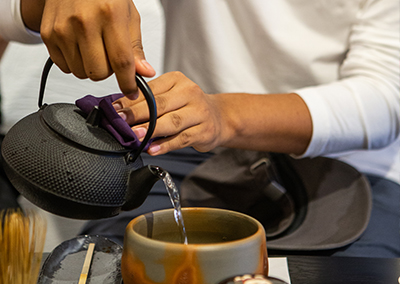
(304, 204)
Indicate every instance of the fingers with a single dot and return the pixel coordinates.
(165, 95)
(117, 42)
(195, 136)
(164, 144)
(142, 66)
(49, 31)
(93, 62)
(174, 122)
(94, 38)
(186, 116)
(135, 112)
(171, 143)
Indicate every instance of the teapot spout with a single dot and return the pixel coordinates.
(139, 185)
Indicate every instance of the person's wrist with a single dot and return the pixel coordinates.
(227, 120)
(31, 13)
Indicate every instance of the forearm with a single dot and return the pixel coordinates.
(31, 12)
(3, 45)
(12, 27)
(275, 122)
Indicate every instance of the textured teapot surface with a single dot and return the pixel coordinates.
(70, 122)
(60, 159)
(79, 180)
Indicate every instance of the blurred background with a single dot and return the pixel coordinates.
(20, 71)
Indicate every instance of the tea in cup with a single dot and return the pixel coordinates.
(221, 244)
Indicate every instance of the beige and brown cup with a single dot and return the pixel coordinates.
(221, 244)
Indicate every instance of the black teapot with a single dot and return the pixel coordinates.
(60, 159)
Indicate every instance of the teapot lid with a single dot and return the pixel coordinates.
(70, 122)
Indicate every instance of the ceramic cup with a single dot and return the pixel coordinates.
(221, 244)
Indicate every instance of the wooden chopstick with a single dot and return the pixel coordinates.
(86, 264)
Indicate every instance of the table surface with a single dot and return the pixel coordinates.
(348, 270)
(335, 270)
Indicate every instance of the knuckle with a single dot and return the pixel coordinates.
(97, 76)
(58, 30)
(161, 104)
(176, 74)
(78, 71)
(111, 9)
(184, 139)
(107, 8)
(195, 89)
(80, 75)
(64, 68)
(137, 44)
(45, 33)
(122, 63)
(78, 21)
(176, 120)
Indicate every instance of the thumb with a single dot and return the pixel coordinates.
(143, 67)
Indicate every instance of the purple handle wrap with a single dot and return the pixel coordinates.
(111, 121)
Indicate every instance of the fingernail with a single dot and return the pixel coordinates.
(148, 66)
(132, 96)
(154, 148)
(117, 106)
(122, 115)
(140, 132)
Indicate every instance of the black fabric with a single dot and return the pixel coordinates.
(260, 184)
(382, 236)
(332, 200)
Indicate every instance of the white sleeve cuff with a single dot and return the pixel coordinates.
(321, 126)
(12, 27)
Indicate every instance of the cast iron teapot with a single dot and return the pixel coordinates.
(64, 162)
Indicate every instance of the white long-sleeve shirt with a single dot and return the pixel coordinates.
(341, 56)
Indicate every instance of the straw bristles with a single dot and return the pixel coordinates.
(22, 237)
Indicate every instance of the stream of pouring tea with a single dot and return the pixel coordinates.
(176, 202)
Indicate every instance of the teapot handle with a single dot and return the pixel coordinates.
(148, 94)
